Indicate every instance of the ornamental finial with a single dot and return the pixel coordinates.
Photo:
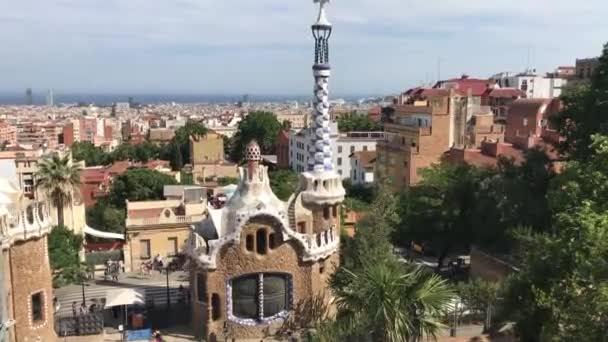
(322, 19)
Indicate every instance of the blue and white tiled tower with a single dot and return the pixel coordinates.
(320, 154)
(324, 185)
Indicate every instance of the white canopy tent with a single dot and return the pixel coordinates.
(105, 235)
(120, 297)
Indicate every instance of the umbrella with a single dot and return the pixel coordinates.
(120, 297)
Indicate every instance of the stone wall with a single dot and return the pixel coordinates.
(30, 273)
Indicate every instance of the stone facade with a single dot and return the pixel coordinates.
(255, 237)
(307, 280)
(26, 281)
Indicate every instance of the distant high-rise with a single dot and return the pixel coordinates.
(28, 97)
(50, 100)
(131, 102)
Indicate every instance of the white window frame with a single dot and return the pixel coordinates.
(262, 320)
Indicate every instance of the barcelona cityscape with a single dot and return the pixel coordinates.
(314, 171)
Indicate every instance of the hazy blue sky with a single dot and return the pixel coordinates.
(265, 46)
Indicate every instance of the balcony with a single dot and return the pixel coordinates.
(164, 219)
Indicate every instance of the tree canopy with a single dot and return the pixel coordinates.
(283, 183)
(584, 112)
(357, 122)
(264, 127)
(138, 185)
(64, 248)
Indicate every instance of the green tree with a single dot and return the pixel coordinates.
(390, 302)
(261, 126)
(176, 160)
(561, 290)
(356, 122)
(58, 179)
(92, 155)
(440, 210)
(138, 185)
(146, 151)
(124, 151)
(64, 248)
(106, 217)
(283, 183)
(584, 112)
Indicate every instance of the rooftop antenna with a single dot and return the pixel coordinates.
(528, 59)
(438, 69)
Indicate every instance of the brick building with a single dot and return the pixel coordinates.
(26, 293)
(282, 150)
(417, 138)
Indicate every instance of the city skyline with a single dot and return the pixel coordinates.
(212, 47)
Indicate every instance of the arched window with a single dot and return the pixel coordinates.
(261, 241)
(260, 296)
(326, 212)
(201, 287)
(216, 310)
(249, 242)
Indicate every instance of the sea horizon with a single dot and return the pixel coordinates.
(105, 99)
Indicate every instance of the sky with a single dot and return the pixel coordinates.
(265, 46)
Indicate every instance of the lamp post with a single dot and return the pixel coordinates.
(168, 292)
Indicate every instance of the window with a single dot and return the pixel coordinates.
(352, 149)
(326, 212)
(339, 161)
(259, 296)
(272, 241)
(144, 249)
(364, 148)
(335, 211)
(37, 307)
(321, 266)
(302, 227)
(201, 287)
(172, 248)
(339, 149)
(525, 122)
(249, 242)
(340, 172)
(216, 310)
(355, 175)
(260, 239)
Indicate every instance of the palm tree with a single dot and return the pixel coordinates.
(392, 303)
(58, 178)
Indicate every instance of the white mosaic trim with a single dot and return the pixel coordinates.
(45, 310)
(281, 316)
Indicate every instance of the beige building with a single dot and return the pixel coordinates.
(162, 227)
(207, 155)
(26, 293)
(206, 149)
(258, 259)
(296, 120)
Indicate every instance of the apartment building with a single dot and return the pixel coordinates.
(532, 84)
(8, 133)
(343, 145)
(417, 137)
